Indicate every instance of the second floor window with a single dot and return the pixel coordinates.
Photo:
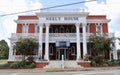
(87, 28)
(25, 29)
(98, 28)
(37, 29)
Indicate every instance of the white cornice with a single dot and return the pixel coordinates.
(26, 21)
(44, 14)
(98, 21)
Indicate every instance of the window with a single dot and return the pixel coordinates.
(73, 50)
(61, 29)
(73, 29)
(51, 50)
(67, 30)
(35, 51)
(99, 28)
(51, 30)
(56, 30)
(37, 28)
(25, 28)
(87, 28)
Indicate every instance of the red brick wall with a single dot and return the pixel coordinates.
(41, 64)
(31, 28)
(96, 17)
(92, 28)
(105, 28)
(19, 28)
(84, 64)
(27, 17)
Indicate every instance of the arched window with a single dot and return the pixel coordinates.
(61, 29)
(73, 29)
(51, 30)
(67, 30)
(56, 30)
(73, 50)
(51, 50)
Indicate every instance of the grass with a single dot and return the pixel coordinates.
(3, 60)
(3, 64)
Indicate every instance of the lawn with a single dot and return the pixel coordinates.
(3, 61)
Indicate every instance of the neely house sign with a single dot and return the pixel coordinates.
(62, 18)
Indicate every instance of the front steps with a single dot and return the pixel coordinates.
(67, 64)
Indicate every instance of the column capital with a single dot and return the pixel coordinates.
(47, 24)
(77, 24)
(40, 24)
(84, 24)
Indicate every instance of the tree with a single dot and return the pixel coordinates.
(100, 44)
(4, 50)
(25, 46)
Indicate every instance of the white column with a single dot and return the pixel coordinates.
(40, 40)
(47, 42)
(84, 39)
(115, 50)
(11, 52)
(78, 41)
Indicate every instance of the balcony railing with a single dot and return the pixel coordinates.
(57, 36)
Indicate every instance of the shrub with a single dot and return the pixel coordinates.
(15, 65)
(22, 64)
(93, 63)
(32, 65)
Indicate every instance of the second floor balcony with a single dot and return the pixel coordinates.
(56, 36)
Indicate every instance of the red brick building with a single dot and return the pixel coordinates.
(59, 33)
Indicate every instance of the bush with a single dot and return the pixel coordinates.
(22, 64)
(15, 65)
(93, 63)
(32, 65)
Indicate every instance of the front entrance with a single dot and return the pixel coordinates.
(60, 52)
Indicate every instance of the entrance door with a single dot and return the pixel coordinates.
(61, 52)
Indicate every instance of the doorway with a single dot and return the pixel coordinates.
(60, 52)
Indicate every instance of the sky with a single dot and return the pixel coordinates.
(98, 7)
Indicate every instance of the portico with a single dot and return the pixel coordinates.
(76, 19)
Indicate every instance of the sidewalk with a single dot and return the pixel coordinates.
(59, 70)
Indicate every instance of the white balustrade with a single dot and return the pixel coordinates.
(58, 36)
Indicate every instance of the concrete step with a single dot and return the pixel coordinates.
(67, 64)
